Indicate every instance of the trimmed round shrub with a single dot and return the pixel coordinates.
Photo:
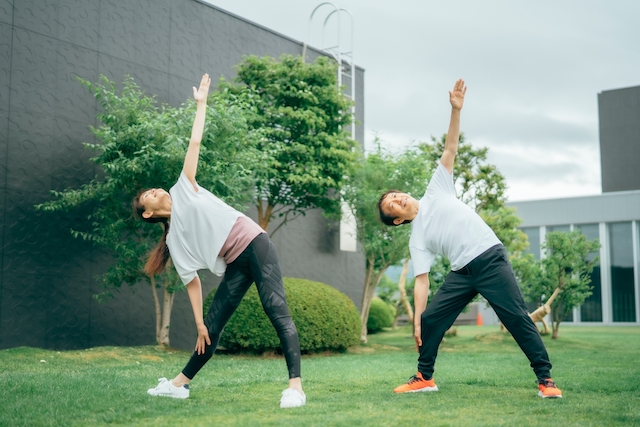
(381, 315)
(326, 319)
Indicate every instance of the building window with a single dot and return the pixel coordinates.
(622, 281)
(560, 228)
(591, 309)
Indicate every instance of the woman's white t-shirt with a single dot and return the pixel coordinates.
(446, 226)
(200, 224)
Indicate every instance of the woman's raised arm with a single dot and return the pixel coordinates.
(193, 152)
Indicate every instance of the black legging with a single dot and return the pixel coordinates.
(258, 263)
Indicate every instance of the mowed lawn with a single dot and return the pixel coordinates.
(484, 380)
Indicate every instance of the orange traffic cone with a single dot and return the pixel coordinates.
(479, 320)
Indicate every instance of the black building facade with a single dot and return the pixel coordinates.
(619, 118)
(47, 277)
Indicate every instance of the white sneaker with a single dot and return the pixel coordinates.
(292, 398)
(165, 388)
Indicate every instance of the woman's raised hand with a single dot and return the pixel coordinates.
(200, 94)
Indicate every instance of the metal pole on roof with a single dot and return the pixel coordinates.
(348, 226)
(341, 56)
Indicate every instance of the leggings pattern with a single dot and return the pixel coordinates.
(258, 263)
(490, 275)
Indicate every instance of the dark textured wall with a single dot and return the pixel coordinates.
(47, 278)
(619, 116)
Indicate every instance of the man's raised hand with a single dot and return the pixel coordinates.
(456, 97)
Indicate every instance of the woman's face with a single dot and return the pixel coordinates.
(155, 199)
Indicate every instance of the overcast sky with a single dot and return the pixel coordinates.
(533, 71)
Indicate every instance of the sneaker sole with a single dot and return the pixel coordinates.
(292, 406)
(549, 397)
(434, 388)
(168, 395)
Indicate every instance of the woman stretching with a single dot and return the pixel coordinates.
(207, 233)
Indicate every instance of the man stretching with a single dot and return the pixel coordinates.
(443, 225)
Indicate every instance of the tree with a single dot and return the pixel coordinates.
(141, 145)
(383, 246)
(563, 277)
(302, 114)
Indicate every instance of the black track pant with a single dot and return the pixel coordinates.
(258, 263)
(490, 275)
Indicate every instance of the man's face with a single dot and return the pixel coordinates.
(401, 206)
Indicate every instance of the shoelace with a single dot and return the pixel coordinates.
(414, 379)
(549, 384)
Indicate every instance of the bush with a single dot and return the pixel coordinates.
(326, 319)
(381, 315)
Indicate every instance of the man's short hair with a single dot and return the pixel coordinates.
(388, 219)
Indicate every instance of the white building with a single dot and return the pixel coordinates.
(613, 217)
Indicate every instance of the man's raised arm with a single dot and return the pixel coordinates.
(456, 98)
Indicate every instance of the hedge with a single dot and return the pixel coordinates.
(381, 315)
(326, 319)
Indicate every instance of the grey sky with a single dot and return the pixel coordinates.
(533, 71)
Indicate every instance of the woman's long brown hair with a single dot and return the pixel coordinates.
(160, 255)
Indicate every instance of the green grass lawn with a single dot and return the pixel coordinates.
(484, 380)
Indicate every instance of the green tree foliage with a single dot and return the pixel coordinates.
(142, 145)
(325, 318)
(383, 246)
(566, 267)
(302, 114)
(381, 315)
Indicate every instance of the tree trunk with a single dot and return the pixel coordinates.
(366, 303)
(371, 281)
(539, 314)
(166, 318)
(553, 296)
(163, 313)
(403, 293)
(545, 327)
(264, 214)
(555, 321)
(158, 309)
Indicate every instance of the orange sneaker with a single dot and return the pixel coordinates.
(417, 383)
(547, 388)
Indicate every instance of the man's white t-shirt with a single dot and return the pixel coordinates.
(446, 226)
(200, 224)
